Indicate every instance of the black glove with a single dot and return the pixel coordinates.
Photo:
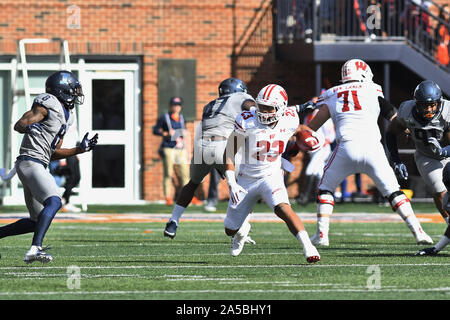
(400, 170)
(306, 107)
(437, 149)
(88, 144)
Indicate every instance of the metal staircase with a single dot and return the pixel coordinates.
(407, 33)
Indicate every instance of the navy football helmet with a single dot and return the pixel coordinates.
(66, 87)
(428, 99)
(231, 85)
(446, 176)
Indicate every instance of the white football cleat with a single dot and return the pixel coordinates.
(422, 237)
(320, 239)
(37, 254)
(70, 208)
(249, 240)
(311, 254)
(239, 239)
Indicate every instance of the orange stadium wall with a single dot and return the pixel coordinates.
(226, 38)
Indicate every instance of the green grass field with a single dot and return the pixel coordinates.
(134, 261)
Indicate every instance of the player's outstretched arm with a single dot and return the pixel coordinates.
(320, 118)
(29, 122)
(85, 145)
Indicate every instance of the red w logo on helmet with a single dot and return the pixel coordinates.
(360, 65)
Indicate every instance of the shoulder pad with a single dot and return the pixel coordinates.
(48, 101)
(243, 119)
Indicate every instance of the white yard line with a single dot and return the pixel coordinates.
(40, 267)
(135, 292)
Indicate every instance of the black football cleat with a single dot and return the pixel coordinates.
(171, 229)
(427, 252)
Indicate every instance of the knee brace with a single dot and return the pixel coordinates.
(325, 202)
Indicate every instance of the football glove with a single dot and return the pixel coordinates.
(237, 193)
(88, 144)
(305, 107)
(34, 129)
(437, 149)
(400, 170)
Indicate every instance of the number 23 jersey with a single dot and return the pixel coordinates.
(54, 127)
(264, 145)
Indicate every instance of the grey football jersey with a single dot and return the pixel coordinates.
(219, 115)
(420, 132)
(54, 127)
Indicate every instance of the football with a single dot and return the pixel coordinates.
(308, 141)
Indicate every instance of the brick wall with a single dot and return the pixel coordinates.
(225, 36)
(204, 30)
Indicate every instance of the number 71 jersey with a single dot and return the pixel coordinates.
(354, 108)
(264, 145)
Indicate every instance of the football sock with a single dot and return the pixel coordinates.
(303, 238)
(442, 243)
(323, 224)
(51, 207)
(177, 212)
(21, 226)
(245, 227)
(413, 224)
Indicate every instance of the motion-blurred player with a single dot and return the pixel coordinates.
(445, 240)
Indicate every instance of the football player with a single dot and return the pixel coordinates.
(44, 127)
(445, 240)
(427, 118)
(354, 107)
(217, 124)
(263, 133)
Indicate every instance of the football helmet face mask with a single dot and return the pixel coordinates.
(272, 97)
(356, 70)
(232, 85)
(66, 87)
(427, 96)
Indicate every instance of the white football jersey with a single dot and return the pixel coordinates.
(354, 109)
(264, 145)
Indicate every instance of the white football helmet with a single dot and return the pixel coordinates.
(356, 70)
(274, 96)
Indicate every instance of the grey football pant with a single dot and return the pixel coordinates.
(38, 185)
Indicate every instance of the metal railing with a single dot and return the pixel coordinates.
(421, 24)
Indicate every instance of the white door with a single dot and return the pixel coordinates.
(109, 173)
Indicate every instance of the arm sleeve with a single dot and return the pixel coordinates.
(391, 144)
(387, 109)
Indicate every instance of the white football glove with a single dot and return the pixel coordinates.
(237, 193)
